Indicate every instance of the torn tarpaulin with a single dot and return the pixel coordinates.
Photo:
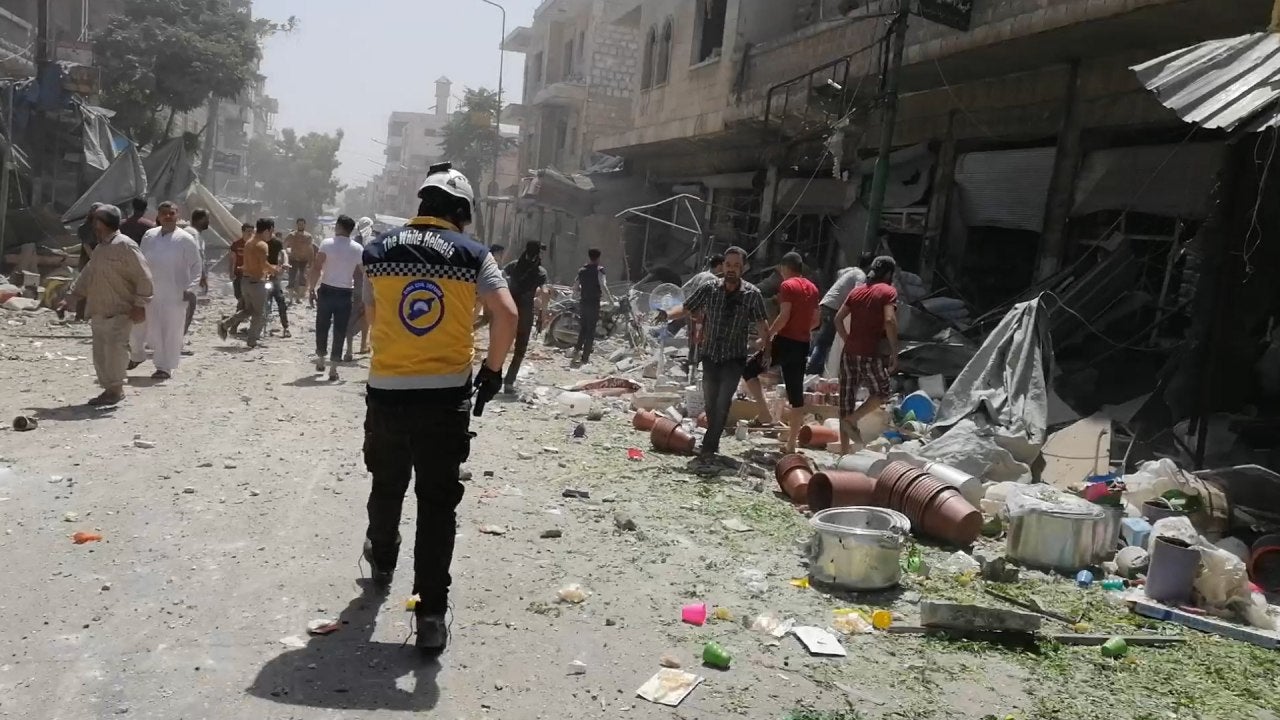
(1006, 381)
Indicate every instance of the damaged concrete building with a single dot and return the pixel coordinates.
(1027, 157)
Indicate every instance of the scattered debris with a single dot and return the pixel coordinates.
(669, 687)
(735, 525)
(144, 444)
(772, 625)
(188, 490)
(635, 454)
(493, 529)
(551, 534)
(411, 603)
(1115, 647)
(670, 661)
(24, 423)
(81, 538)
(293, 641)
(959, 616)
(624, 522)
(577, 667)
(70, 517)
(818, 641)
(323, 626)
(575, 493)
(574, 594)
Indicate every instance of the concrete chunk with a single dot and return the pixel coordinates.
(957, 616)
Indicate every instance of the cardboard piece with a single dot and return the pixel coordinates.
(1076, 452)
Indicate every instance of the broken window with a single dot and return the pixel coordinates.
(537, 68)
(709, 35)
(650, 49)
(663, 61)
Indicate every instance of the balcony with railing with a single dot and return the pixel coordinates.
(17, 46)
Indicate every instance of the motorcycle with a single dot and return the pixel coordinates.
(615, 317)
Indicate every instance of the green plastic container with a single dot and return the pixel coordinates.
(1116, 647)
(716, 656)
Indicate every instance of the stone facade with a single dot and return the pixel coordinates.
(580, 75)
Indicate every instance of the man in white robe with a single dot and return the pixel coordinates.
(174, 259)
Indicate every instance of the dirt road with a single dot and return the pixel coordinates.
(244, 522)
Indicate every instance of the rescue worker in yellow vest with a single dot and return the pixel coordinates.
(422, 282)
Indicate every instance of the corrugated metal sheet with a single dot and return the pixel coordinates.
(1223, 84)
(1005, 189)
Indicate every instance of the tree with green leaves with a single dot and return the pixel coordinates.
(471, 138)
(298, 173)
(162, 57)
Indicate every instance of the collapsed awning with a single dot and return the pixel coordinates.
(554, 189)
(1222, 84)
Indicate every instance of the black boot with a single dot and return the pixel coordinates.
(380, 576)
(433, 632)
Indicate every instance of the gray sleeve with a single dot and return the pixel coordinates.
(490, 279)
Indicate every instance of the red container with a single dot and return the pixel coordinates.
(668, 436)
(1264, 563)
(951, 518)
(643, 420)
(794, 474)
(836, 488)
(818, 436)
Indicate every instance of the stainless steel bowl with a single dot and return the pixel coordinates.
(1058, 539)
(858, 548)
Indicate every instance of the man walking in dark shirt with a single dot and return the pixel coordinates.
(525, 278)
(725, 308)
(137, 224)
(591, 287)
(277, 256)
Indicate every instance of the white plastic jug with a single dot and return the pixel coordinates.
(575, 403)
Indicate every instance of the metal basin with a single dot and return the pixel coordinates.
(858, 548)
(1060, 539)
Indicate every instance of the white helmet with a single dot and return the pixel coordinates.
(442, 176)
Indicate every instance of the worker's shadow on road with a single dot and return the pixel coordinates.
(348, 670)
(69, 413)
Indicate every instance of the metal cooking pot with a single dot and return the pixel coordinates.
(1064, 539)
(858, 548)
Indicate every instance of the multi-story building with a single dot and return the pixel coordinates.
(580, 74)
(413, 144)
(1017, 136)
(71, 26)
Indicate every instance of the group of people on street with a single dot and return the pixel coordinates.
(416, 289)
(724, 309)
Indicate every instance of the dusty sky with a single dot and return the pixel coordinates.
(351, 62)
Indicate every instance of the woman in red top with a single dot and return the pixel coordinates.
(790, 332)
(870, 346)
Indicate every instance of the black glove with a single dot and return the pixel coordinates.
(487, 384)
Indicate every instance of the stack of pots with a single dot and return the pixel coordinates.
(795, 476)
(934, 507)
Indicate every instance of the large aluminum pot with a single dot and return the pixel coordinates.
(1063, 539)
(858, 548)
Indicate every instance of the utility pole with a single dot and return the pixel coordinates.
(210, 144)
(6, 166)
(492, 190)
(888, 118)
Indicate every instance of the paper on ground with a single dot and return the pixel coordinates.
(818, 641)
(669, 687)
